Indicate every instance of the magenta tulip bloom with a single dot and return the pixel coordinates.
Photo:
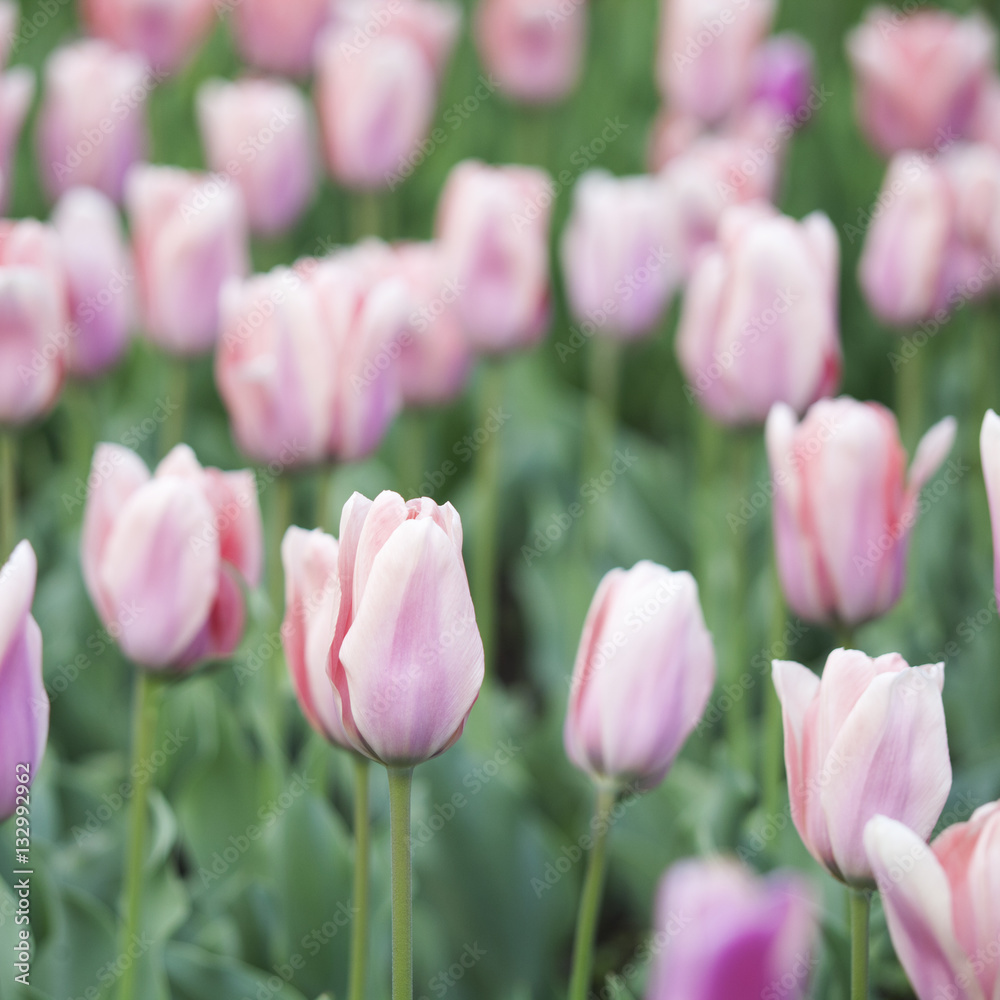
(942, 903)
(783, 74)
(643, 674)
(759, 320)
(724, 933)
(278, 36)
(189, 234)
(867, 738)
(17, 88)
(24, 703)
(166, 557)
(844, 505)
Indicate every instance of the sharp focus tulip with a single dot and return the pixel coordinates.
(278, 36)
(759, 321)
(723, 933)
(867, 738)
(989, 450)
(494, 225)
(918, 78)
(17, 88)
(189, 234)
(942, 903)
(643, 675)
(261, 132)
(24, 703)
(844, 505)
(166, 557)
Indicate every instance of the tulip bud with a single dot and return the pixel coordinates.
(643, 674)
(261, 132)
(277, 36)
(189, 235)
(782, 75)
(166, 557)
(844, 505)
(17, 88)
(759, 320)
(723, 933)
(919, 77)
(24, 702)
(867, 738)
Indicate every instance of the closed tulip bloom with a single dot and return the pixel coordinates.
(619, 247)
(783, 75)
(919, 78)
(265, 128)
(100, 279)
(724, 933)
(868, 738)
(166, 557)
(189, 235)
(759, 320)
(989, 450)
(534, 49)
(942, 903)
(279, 37)
(24, 703)
(494, 225)
(643, 674)
(17, 88)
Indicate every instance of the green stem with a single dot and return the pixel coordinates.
(910, 398)
(601, 421)
(359, 930)
(400, 780)
(773, 742)
(172, 432)
(366, 214)
(8, 493)
(846, 637)
(281, 512)
(590, 899)
(860, 908)
(741, 444)
(411, 452)
(324, 490)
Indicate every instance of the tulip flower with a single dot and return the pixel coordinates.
(189, 235)
(24, 703)
(940, 903)
(261, 132)
(100, 279)
(918, 78)
(166, 557)
(759, 320)
(724, 933)
(782, 74)
(844, 506)
(17, 88)
(92, 124)
(534, 49)
(279, 37)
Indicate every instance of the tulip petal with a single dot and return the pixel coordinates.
(17, 591)
(931, 452)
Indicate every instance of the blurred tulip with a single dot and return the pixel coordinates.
(278, 36)
(918, 77)
(533, 48)
(989, 450)
(378, 76)
(868, 738)
(985, 125)
(941, 903)
(261, 133)
(92, 124)
(17, 88)
(724, 933)
(189, 235)
(494, 225)
(759, 320)
(24, 702)
(643, 675)
(783, 74)
(844, 505)
(100, 279)
(619, 252)
(10, 16)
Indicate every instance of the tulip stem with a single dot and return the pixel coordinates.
(8, 493)
(741, 445)
(359, 931)
(366, 214)
(172, 433)
(602, 415)
(860, 909)
(400, 780)
(773, 744)
(590, 899)
(910, 398)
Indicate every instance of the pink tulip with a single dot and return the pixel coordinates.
(783, 73)
(34, 325)
(261, 133)
(919, 77)
(985, 125)
(534, 49)
(942, 903)
(92, 125)
(844, 505)
(17, 88)
(24, 703)
(166, 557)
(494, 225)
(166, 32)
(724, 933)
(706, 54)
(619, 252)
(189, 235)
(100, 278)
(867, 738)
(759, 320)
(989, 450)
(378, 77)
(277, 36)
(643, 674)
